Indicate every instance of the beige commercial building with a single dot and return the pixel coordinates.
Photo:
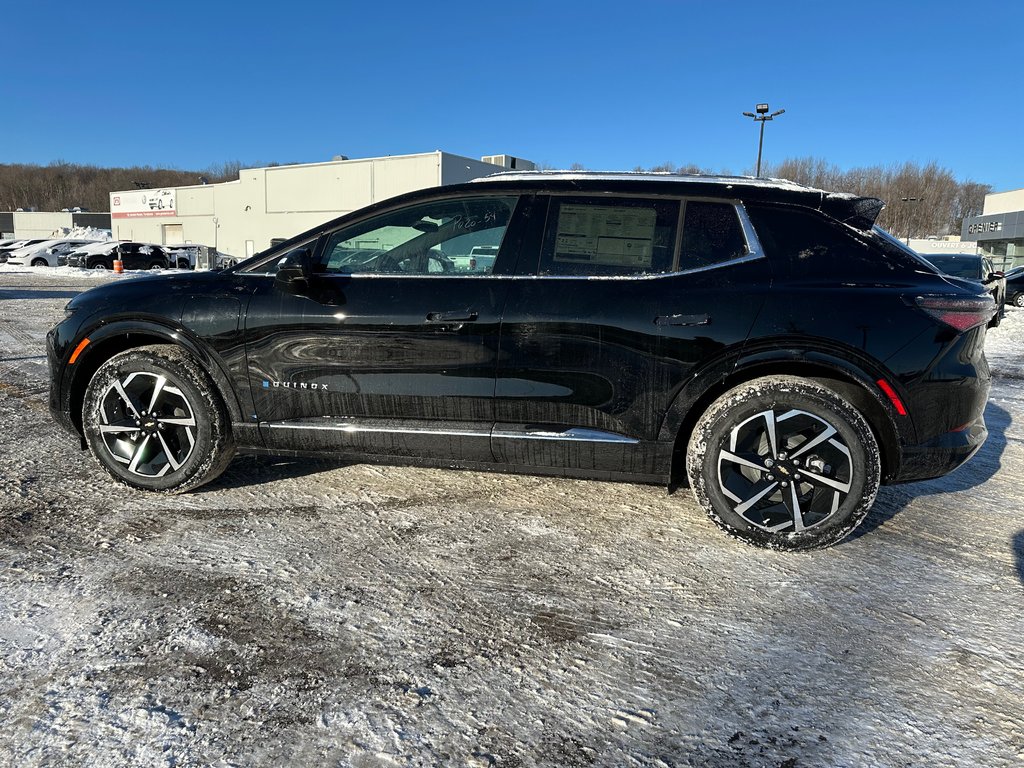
(242, 217)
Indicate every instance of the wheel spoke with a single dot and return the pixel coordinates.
(137, 456)
(838, 485)
(773, 440)
(743, 462)
(181, 422)
(829, 431)
(158, 389)
(116, 428)
(756, 498)
(119, 387)
(167, 452)
(792, 501)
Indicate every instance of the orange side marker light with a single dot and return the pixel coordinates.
(78, 350)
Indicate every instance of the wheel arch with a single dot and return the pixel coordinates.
(843, 377)
(115, 338)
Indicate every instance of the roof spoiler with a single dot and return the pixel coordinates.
(859, 212)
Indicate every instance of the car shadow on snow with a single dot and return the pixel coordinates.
(246, 471)
(983, 466)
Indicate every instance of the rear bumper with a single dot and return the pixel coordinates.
(942, 455)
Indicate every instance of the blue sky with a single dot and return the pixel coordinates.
(612, 86)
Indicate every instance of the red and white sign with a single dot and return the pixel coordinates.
(145, 203)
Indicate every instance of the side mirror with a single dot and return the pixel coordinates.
(997, 275)
(293, 272)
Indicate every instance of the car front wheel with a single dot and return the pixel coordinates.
(154, 420)
(1018, 300)
(784, 463)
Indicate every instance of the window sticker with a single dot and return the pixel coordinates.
(606, 235)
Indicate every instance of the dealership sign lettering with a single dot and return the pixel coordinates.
(981, 227)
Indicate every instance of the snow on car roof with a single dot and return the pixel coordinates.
(750, 181)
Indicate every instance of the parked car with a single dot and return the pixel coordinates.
(45, 253)
(13, 245)
(977, 268)
(132, 256)
(1015, 288)
(182, 256)
(760, 339)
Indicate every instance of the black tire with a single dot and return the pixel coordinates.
(767, 497)
(98, 265)
(157, 265)
(40, 263)
(171, 436)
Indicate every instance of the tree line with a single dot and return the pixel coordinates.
(61, 185)
(920, 200)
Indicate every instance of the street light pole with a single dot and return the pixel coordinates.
(762, 117)
(910, 200)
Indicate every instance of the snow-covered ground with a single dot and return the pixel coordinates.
(303, 612)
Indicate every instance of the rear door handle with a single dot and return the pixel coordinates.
(458, 315)
(704, 319)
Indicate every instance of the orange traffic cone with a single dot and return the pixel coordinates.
(118, 266)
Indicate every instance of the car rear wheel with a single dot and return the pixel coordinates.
(1018, 300)
(784, 463)
(97, 265)
(154, 420)
(156, 265)
(40, 263)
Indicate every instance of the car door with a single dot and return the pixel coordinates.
(391, 350)
(597, 344)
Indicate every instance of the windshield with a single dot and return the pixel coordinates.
(957, 266)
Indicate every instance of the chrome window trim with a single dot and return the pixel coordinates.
(754, 252)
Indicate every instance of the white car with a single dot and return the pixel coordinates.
(16, 245)
(46, 253)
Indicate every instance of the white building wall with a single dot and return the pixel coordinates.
(242, 217)
(1004, 202)
(30, 225)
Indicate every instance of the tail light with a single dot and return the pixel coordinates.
(958, 312)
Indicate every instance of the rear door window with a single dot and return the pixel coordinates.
(609, 237)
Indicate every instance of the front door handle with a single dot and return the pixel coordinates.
(458, 315)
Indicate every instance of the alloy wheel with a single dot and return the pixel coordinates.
(147, 424)
(785, 471)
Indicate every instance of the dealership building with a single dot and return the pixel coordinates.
(243, 217)
(999, 230)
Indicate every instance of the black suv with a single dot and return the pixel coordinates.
(760, 338)
(132, 256)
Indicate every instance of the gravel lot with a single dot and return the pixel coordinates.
(312, 613)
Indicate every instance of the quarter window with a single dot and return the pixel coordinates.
(711, 235)
(609, 237)
(461, 236)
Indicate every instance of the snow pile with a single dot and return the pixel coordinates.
(82, 233)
